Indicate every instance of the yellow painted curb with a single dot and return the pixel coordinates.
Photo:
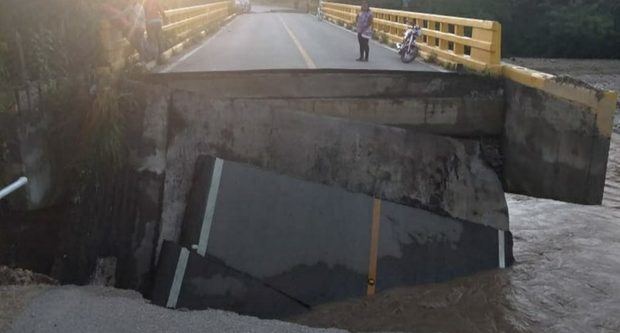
(602, 103)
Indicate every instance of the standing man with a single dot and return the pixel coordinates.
(154, 23)
(364, 31)
(130, 21)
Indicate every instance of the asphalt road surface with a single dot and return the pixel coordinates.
(268, 38)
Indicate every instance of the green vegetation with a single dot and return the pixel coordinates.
(537, 28)
(4, 66)
(105, 126)
(432, 58)
(385, 39)
(55, 45)
(49, 39)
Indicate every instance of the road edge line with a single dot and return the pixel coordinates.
(177, 62)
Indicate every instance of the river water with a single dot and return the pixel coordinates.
(566, 278)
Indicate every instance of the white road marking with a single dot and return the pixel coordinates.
(192, 52)
(309, 63)
(207, 220)
(179, 274)
(502, 249)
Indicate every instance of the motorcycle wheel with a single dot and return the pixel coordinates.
(408, 55)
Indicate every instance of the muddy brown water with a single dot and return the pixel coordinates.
(566, 279)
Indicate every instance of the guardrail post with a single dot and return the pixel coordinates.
(443, 44)
(497, 43)
(354, 12)
(492, 57)
(430, 40)
(459, 49)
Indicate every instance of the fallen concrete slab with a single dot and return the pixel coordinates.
(203, 282)
(435, 173)
(261, 232)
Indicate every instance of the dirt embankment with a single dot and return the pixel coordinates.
(17, 288)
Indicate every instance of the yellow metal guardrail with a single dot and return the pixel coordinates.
(181, 24)
(475, 44)
(601, 102)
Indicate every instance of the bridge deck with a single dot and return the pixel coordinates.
(269, 40)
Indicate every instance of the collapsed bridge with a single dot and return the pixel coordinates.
(292, 202)
(270, 192)
(287, 189)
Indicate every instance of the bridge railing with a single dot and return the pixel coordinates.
(181, 25)
(184, 21)
(472, 43)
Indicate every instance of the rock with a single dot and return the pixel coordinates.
(105, 272)
(18, 276)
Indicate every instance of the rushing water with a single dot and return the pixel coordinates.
(566, 279)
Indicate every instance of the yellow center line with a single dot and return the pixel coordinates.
(309, 63)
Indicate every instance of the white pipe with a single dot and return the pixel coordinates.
(13, 187)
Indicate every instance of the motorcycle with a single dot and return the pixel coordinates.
(243, 6)
(408, 49)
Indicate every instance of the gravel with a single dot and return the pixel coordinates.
(99, 309)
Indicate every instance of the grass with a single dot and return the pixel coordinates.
(432, 58)
(7, 101)
(385, 39)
